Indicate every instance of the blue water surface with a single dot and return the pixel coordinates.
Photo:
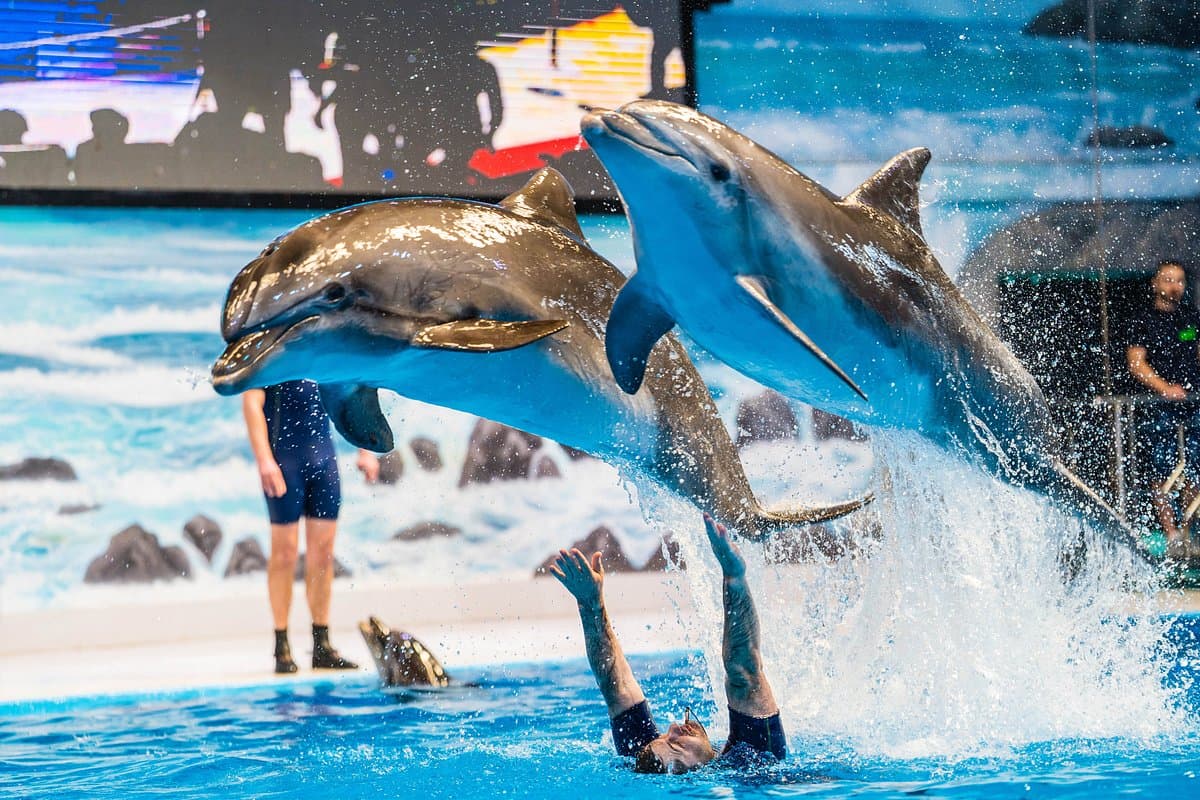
(109, 295)
(531, 730)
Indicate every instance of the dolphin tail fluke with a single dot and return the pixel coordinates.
(808, 515)
(355, 412)
(754, 289)
(802, 521)
(1070, 488)
(635, 324)
(767, 522)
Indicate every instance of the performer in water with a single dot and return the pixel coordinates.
(755, 729)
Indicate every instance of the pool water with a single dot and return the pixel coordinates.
(111, 327)
(532, 730)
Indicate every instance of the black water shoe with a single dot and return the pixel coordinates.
(324, 656)
(284, 664)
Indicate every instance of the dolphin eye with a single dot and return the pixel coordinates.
(720, 172)
(334, 293)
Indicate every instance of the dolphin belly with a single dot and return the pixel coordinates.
(534, 389)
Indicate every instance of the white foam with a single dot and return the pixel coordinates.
(955, 633)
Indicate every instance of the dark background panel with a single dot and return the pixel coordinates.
(1053, 323)
(406, 103)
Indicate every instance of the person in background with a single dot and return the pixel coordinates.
(755, 730)
(290, 435)
(1163, 356)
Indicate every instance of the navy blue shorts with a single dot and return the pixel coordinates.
(1159, 438)
(313, 490)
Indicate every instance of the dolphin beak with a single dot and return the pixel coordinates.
(592, 125)
(641, 134)
(611, 125)
(244, 358)
(374, 633)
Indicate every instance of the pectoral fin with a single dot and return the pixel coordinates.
(635, 323)
(754, 289)
(355, 412)
(485, 335)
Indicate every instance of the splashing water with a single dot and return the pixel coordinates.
(955, 632)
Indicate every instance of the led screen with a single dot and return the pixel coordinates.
(461, 96)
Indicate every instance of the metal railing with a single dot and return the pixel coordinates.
(1124, 465)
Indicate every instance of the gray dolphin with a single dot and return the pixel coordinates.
(400, 658)
(834, 301)
(495, 310)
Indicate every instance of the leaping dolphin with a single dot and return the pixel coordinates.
(834, 301)
(495, 310)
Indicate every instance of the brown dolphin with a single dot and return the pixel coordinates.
(495, 310)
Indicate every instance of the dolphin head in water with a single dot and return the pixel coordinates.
(401, 659)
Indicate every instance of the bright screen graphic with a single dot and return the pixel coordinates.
(463, 97)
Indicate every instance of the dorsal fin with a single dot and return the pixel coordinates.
(894, 188)
(547, 197)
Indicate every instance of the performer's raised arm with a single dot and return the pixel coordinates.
(746, 685)
(584, 579)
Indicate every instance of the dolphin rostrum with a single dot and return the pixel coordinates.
(495, 310)
(834, 301)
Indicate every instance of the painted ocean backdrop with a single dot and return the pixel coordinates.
(111, 315)
(105, 364)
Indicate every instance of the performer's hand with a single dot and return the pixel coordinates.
(368, 465)
(731, 561)
(1174, 391)
(271, 476)
(584, 579)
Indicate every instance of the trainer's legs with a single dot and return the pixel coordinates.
(281, 571)
(318, 566)
(319, 583)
